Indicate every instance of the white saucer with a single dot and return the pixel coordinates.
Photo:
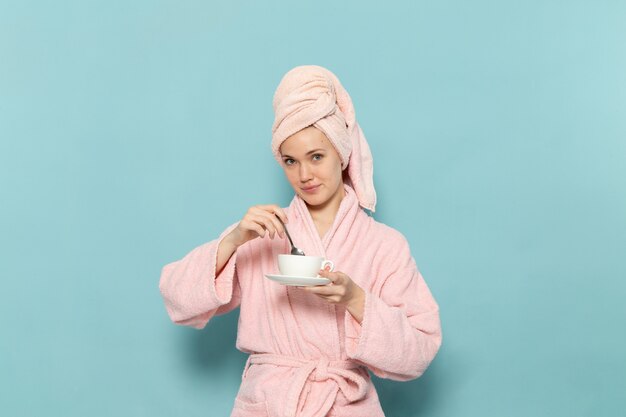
(298, 281)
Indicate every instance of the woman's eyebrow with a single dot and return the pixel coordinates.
(308, 153)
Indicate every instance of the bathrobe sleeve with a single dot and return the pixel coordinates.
(400, 333)
(191, 290)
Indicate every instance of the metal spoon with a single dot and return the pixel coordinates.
(294, 250)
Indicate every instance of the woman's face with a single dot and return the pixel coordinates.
(312, 166)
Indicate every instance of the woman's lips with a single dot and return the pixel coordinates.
(310, 189)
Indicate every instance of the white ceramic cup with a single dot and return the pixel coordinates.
(302, 266)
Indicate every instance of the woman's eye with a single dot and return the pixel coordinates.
(317, 157)
(289, 161)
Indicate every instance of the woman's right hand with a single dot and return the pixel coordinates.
(257, 222)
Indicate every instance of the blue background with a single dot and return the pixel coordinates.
(131, 132)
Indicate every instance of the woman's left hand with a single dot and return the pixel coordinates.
(341, 290)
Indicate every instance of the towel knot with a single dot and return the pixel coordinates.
(345, 376)
(321, 371)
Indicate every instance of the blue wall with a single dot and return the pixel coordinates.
(131, 132)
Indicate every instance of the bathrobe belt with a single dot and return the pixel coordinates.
(352, 384)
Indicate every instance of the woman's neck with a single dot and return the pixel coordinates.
(324, 215)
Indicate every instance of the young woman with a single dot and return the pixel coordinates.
(311, 347)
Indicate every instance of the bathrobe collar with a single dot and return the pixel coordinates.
(349, 211)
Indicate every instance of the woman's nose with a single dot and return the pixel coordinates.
(305, 173)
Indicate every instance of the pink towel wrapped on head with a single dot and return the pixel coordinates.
(310, 95)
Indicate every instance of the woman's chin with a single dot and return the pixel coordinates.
(314, 200)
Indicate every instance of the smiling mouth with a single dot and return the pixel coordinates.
(310, 189)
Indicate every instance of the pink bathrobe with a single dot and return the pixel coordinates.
(308, 357)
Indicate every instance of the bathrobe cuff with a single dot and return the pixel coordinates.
(387, 343)
(222, 291)
(193, 293)
(356, 333)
